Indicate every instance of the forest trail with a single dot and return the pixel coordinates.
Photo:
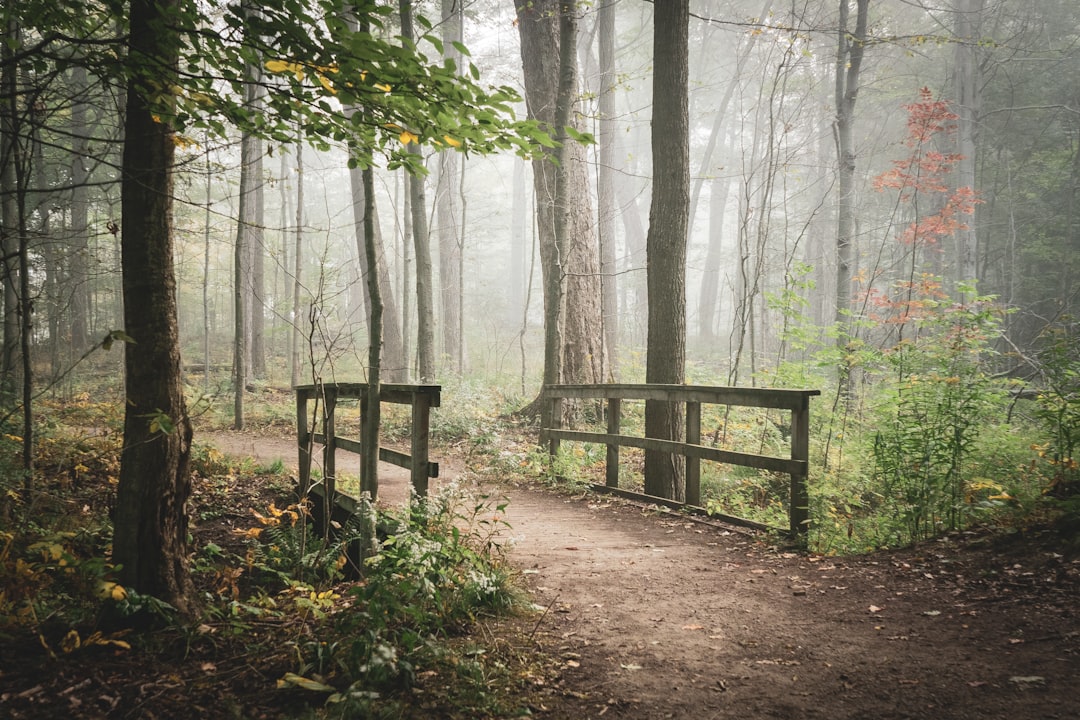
(655, 615)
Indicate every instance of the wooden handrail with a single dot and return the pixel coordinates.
(797, 466)
(420, 397)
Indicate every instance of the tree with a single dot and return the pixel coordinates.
(425, 300)
(447, 212)
(10, 194)
(150, 538)
(248, 351)
(605, 181)
(668, 220)
(966, 83)
(574, 350)
(849, 54)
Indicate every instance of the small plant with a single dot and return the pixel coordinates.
(439, 567)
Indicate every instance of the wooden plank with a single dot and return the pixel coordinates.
(614, 419)
(676, 505)
(389, 392)
(386, 455)
(303, 441)
(717, 395)
(693, 462)
(799, 503)
(761, 462)
(419, 444)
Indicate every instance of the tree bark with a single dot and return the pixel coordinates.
(151, 522)
(605, 181)
(574, 349)
(80, 207)
(447, 213)
(298, 269)
(9, 212)
(849, 55)
(666, 245)
(425, 302)
(393, 352)
(967, 97)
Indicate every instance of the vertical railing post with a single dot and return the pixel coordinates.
(799, 510)
(614, 419)
(303, 441)
(369, 485)
(556, 424)
(329, 455)
(693, 463)
(421, 419)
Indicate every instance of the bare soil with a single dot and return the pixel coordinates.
(651, 614)
(646, 614)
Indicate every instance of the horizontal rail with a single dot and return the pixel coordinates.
(693, 396)
(388, 392)
(386, 455)
(713, 394)
(421, 398)
(759, 462)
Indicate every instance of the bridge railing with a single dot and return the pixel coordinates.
(420, 397)
(797, 465)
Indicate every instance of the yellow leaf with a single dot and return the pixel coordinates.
(294, 680)
(110, 590)
(452, 142)
(71, 642)
(407, 137)
(284, 66)
(326, 85)
(382, 86)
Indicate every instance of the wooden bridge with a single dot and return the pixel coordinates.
(797, 465)
(309, 433)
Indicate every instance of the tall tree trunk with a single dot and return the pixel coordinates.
(80, 210)
(425, 301)
(249, 242)
(849, 55)
(369, 471)
(405, 213)
(10, 192)
(447, 211)
(574, 350)
(668, 226)
(297, 316)
(207, 216)
(605, 181)
(967, 96)
(151, 522)
(709, 296)
(393, 352)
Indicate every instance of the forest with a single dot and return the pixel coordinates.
(205, 204)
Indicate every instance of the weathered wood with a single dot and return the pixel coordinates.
(716, 395)
(388, 392)
(797, 401)
(386, 455)
(693, 463)
(303, 440)
(761, 462)
(421, 397)
(421, 410)
(329, 456)
(614, 420)
(685, 507)
(799, 506)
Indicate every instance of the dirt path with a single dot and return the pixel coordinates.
(654, 615)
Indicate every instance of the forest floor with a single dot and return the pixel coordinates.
(653, 614)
